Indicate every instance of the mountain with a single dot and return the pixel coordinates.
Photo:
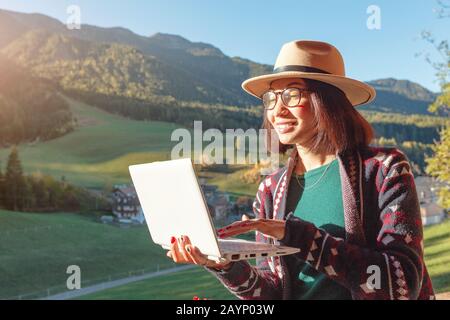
(106, 68)
(174, 42)
(159, 77)
(400, 96)
(404, 87)
(214, 77)
(40, 47)
(117, 62)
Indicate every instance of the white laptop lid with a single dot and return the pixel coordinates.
(173, 204)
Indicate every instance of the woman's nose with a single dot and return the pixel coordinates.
(280, 108)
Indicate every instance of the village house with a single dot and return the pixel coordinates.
(223, 208)
(430, 211)
(127, 209)
(219, 204)
(209, 191)
(126, 206)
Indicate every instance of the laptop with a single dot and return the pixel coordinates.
(173, 205)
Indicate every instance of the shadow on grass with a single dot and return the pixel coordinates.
(433, 240)
(438, 254)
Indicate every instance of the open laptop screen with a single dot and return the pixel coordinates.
(173, 203)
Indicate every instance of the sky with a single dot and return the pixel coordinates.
(256, 29)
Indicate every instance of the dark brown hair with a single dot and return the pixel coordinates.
(339, 125)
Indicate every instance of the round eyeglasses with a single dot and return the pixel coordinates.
(291, 97)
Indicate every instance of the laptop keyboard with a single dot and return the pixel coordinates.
(237, 245)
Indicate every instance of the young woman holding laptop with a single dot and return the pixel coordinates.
(351, 208)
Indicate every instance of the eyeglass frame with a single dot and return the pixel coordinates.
(280, 91)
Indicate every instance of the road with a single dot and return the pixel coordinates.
(114, 283)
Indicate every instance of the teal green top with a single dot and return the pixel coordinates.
(320, 204)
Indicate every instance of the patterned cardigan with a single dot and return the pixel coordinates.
(384, 236)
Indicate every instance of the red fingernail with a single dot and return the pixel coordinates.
(172, 240)
(195, 298)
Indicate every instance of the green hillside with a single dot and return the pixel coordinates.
(437, 255)
(100, 150)
(110, 69)
(185, 70)
(36, 249)
(168, 78)
(30, 109)
(102, 146)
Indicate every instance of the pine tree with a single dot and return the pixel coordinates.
(439, 166)
(439, 163)
(15, 187)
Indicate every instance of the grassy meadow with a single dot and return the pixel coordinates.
(36, 249)
(437, 255)
(98, 152)
(202, 284)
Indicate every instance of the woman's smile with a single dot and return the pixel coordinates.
(285, 126)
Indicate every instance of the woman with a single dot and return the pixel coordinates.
(351, 208)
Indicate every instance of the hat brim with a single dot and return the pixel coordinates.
(357, 92)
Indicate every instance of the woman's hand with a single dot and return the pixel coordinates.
(271, 228)
(182, 251)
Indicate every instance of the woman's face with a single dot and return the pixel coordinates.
(294, 125)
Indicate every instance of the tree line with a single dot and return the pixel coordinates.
(170, 110)
(38, 192)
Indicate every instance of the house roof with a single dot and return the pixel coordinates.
(126, 189)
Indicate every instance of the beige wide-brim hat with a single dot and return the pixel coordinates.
(312, 60)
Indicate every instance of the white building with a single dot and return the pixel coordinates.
(126, 206)
(431, 213)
